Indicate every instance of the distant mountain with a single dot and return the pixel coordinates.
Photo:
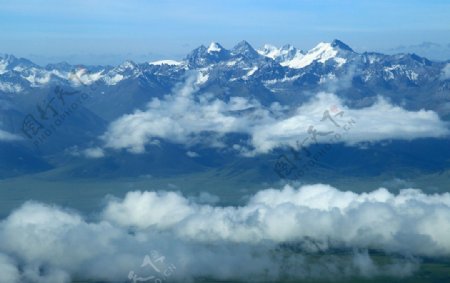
(284, 75)
(269, 66)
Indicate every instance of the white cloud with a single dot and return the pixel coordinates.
(178, 118)
(8, 270)
(168, 208)
(10, 88)
(6, 136)
(94, 152)
(51, 244)
(317, 211)
(192, 154)
(445, 75)
(184, 115)
(374, 123)
(90, 152)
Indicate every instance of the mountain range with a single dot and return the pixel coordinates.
(41, 129)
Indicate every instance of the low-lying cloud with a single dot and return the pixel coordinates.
(6, 136)
(445, 75)
(185, 116)
(279, 234)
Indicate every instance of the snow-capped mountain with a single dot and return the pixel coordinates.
(269, 74)
(269, 65)
(203, 56)
(285, 75)
(276, 78)
(292, 57)
(283, 55)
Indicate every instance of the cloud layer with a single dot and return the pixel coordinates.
(186, 115)
(287, 233)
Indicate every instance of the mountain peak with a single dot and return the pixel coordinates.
(244, 48)
(202, 56)
(243, 43)
(284, 55)
(128, 65)
(287, 47)
(59, 66)
(269, 50)
(341, 45)
(199, 50)
(14, 61)
(9, 57)
(196, 54)
(214, 47)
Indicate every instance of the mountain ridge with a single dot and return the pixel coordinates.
(274, 78)
(240, 48)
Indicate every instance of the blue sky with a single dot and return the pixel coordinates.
(108, 31)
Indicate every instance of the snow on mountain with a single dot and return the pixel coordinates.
(392, 71)
(3, 65)
(83, 77)
(270, 51)
(11, 62)
(202, 77)
(127, 65)
(124, 71)
(283, 75)
(250, 73)
(214, 47)
(283, 80)
(202, 57)
(242, 57)
(114, 79)
(242, 62)
(37, 77)
(232, 63)
(321, 53)
(281, 55)
(24, 69)
(292, 57)
(166, 62)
